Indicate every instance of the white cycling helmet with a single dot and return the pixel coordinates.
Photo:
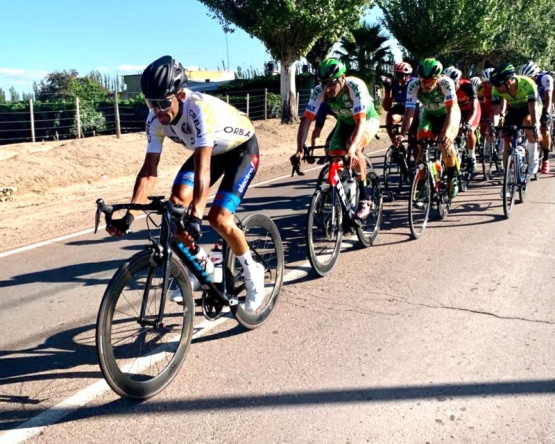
(529, 69)
(476, 82)
(453, 72)
(486, 74)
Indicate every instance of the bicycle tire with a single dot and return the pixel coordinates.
(266, 246)
(420, 202)
(509, 185)
(140, 361)
(442, 198)
(393, 176)
(489, 160)
(324, 232)
(524, 177)
(369, 228)
(322, 176)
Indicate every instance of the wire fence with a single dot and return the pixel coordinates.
(46, 121)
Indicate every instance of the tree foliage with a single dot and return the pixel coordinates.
(288, 29)
(473, 33)
(366, 52)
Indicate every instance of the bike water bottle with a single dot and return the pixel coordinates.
(199, 254)
(216, 259)
(351, 190)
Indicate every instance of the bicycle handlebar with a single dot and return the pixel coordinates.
(157, 205)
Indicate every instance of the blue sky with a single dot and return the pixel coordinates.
(115, 38)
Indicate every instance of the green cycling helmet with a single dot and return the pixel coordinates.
(502, 73)
(330, 69)
(429, 68)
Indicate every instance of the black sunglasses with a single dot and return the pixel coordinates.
(161, 104)
(400, 75)
(326, 83)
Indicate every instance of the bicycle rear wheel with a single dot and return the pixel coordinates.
(324, 230)
(368, 230)
(138, 358)
(266, 248)
(509, 185)
(420, 202)
(393, 175)
(490, 160)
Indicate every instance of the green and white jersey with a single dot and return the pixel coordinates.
(352, 103)
(436, 101)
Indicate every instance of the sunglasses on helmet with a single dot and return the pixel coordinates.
(400, 75)
(162, 104)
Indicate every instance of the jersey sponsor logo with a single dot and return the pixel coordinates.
(196, 122)
(186, 128)
(311, 108)
(248, 174)
(237, 131)
(360, 108)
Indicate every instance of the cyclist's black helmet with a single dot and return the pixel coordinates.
(502, 73)
(162, 77)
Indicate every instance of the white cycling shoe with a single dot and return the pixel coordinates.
(255, 288)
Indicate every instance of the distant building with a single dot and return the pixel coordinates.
(197, 80)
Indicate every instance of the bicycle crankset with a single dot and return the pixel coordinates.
(211, 307)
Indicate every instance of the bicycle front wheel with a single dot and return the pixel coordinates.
(139, 356)
(524, 179)
(266, 248)
(420, 202)
(490, 160)
(368, 230)
(509, 185)
(323, 230)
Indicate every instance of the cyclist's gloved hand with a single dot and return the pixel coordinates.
(117, 226)
(296, 162)
(192, 226)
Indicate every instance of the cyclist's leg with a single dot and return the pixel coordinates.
(546, 123)
(471, 140)
(531, 142)
(238, 167)
(394, 116)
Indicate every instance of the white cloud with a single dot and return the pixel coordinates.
(135, 69)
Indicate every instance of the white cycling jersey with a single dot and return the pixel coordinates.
(205, 121)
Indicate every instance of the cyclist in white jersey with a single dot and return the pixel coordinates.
(223, 143)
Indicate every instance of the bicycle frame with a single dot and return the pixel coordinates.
(335, 181)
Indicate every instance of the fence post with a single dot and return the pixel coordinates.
(248, 103)
(32, 120)
(227, 98)
(298, 105)
(78, 117)
(265, 103)
(116, 109)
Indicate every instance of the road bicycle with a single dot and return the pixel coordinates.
(398, 167)
(516, 177)
(492, 158)
(142, 337)
(430, 187)
(332, 211)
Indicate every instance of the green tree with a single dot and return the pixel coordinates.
(289, 29)
(14, 95)
(320, 50)
(2, 96)
(437, 27)
(366, 52)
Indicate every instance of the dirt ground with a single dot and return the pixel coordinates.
(49, 189)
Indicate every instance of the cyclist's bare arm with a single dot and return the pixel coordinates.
(407, 122)
(203, 156)
(146, 180)
(302, 134)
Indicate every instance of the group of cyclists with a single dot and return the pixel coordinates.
(428, 102)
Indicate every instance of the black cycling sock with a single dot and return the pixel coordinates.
(451, 172)
(545, 154)
(362, 190)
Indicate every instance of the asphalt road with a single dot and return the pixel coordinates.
(448, 338)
